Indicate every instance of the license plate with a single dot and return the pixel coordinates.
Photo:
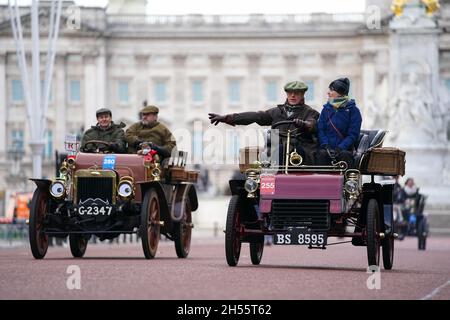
(95, 210)
(267, 184)
(300, 237)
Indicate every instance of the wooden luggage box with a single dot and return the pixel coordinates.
(384, 161)
(179, 174)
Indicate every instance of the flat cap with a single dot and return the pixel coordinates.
(150, 109)
(295, 86)
(103, 110)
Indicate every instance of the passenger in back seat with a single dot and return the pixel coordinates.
(339, 125)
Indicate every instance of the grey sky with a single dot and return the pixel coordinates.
(238, 6)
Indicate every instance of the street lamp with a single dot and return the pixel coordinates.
(16, 176)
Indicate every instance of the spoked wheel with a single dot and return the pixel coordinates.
(388, 252)
(372, 230)
(38, 210)
(233, 232)
(150, 223)
(78, 245)
(422, 234)
(256, 251)
(182, 232)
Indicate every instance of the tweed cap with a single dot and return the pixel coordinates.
(102, 111)
(295, 86)
(150, 109)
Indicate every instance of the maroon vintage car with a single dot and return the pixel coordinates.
(106, 195)
(308, 205)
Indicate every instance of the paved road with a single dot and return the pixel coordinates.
(119, 271)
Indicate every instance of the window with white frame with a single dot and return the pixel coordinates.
(43, 91)
(197, 145)
(160, 91)
(232, 144)
(17, 90)
(124, 91)
(197, 91)
(234, 91)
(271, 90)
(447, 84)
(17, 139)
(75, 91)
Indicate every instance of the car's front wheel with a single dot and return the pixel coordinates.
(233, 232)
(150, 223)
(256, 251)
(372, 233)
(182, 232)
(78, 244)
(38, 210)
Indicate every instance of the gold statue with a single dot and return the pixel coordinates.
(397, 6)
(430, 5)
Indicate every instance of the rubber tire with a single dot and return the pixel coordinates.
(256, 252)
(232, 238)
(422, 239)
(38, 241)
(388, 252)
(150, 234)
(78, 245)
(372, 229)
(182, 235)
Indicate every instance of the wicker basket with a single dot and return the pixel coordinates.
(384, 161)
(247, 156)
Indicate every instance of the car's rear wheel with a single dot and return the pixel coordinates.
(256, 251)
(388, 252)
(78, 244)
(150, 223)
(38, 210)
(422, 234)
(233, 232)
(182, 232)
(372, 233)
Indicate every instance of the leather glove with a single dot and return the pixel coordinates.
(303, 125)
(137, 143)
(114, 146)
(332, 153)
(216, 118)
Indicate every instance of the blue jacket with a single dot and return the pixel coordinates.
(347, 119)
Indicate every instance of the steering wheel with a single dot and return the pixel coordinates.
(97, 144)
(284, 133)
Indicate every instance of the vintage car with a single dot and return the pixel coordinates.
(105, 195)
(307, 205)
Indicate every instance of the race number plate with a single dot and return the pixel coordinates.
(95, 210)
(267, 184)
(300, 237)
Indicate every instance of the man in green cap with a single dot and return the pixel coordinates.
(149, 130)
(294, 108)
(105, 130)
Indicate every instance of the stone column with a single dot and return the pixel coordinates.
(3, 104)
(291, 67)
(90, 100)
(100, 83)
(142, 84)
(368, 74)
(329, 70)
(179, 89)
(60, 97)
(218, 87)
(254, 91)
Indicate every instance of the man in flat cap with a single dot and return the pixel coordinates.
(105, 130)
(294, 108)
(149, 130)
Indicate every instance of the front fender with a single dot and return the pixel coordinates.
(183, 191)
(42, 184)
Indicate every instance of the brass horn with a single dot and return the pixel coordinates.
(295, 159)
(64, 169)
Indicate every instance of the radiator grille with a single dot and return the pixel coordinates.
(95, 187)
(300, 213)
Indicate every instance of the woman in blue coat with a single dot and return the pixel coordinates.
(339, 125)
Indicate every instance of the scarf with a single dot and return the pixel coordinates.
(338, 102)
